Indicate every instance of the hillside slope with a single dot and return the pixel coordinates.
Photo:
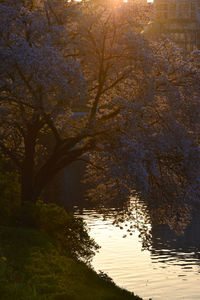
(32, 268)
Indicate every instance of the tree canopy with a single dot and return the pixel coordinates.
(80, 81)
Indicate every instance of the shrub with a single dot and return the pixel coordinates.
(70, 232)
(9, 194)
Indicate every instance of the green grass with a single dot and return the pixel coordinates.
(31, 268)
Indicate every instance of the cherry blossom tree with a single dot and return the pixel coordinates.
(157, 146)
(80, 82)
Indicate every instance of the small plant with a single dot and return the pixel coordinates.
(105, 276)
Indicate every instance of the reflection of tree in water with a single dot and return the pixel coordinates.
(139, 215)
(179, 245)
(133, 214)
(167, 246)
(128, 215)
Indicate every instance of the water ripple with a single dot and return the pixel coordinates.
(170, 269)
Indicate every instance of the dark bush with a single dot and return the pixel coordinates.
(70, 232)
(9, 194)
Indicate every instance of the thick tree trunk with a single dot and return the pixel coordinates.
(27, 175)
(27, 194)
(56, 163)
(27, 216)
(32, 182)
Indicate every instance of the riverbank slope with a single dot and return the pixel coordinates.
(32, 268)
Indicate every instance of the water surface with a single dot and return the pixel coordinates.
(170, 269)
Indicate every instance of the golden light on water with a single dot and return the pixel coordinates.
(169, 267)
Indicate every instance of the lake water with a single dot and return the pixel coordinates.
(169, 270)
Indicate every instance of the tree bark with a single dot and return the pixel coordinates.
(27, 177)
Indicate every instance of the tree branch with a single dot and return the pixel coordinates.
(90, 163)
(51, 125)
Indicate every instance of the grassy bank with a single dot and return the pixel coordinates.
(31, 267)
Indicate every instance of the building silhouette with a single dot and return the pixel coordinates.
(179, 20)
